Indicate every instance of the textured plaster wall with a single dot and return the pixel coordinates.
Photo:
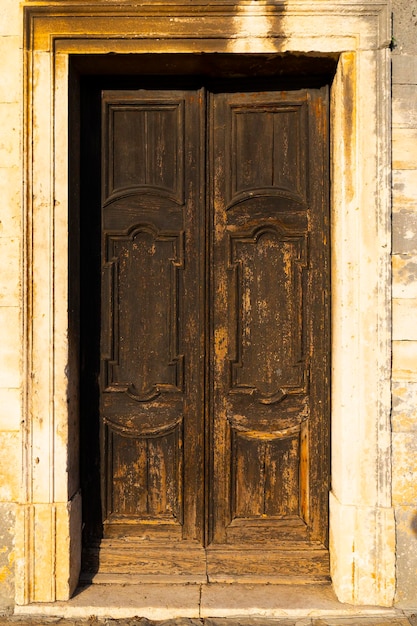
(10, 287)
(404, 415)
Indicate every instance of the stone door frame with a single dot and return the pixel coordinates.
(362, 531)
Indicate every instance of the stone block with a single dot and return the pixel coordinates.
(68, 548)
(10, 115)
(11, 273)
(404, 69)
(11, 74)
(7, 555)
(404, 468)
(46, 560)
(406, 532)
(404, 148)
(10, 347)
(10, 461)
(404, 319)
(361, 538)
(404, 406)
(404, 360)
(10, 409)
(404, 190)
(236, 604)
(256, 621)
(404, 106)
(404, 275)
(404, 23)
(155, 602)
(404, 232)
(361, 621)
(10, 18)
(11, 208)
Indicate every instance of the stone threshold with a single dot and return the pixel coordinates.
(215, 600)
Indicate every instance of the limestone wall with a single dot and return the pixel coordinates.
(404, 413)
(12, 227)
(10, 286)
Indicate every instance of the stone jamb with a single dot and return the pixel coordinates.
(361, 517)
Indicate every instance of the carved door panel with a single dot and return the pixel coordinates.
(215, 375)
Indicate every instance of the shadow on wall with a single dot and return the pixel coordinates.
(255, 31)
(414, 524)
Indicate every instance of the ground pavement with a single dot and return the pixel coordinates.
(402, 619)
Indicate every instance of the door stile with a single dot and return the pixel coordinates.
(320, 327)
(198, 213)
(208, 318)
(219, 498)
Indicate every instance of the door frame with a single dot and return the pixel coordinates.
(362, 535)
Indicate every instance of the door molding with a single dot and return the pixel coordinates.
(362, 537)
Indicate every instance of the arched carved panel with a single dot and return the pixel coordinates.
(267, 311)
(146, 476)
(141, 308)
(145, 144)
(269, 157)
(266, 475)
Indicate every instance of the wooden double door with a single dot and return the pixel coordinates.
(214, 376)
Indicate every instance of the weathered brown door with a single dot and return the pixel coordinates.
(214, 382)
